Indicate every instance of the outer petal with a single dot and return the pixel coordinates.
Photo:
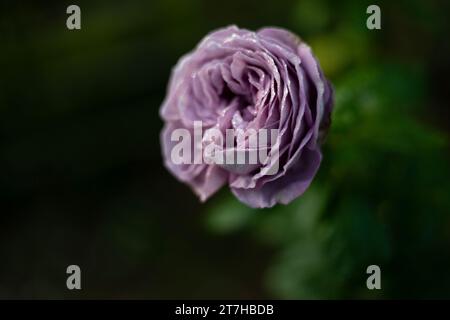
(204, 179)
(285, 189)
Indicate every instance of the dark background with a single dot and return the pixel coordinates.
(82, 180)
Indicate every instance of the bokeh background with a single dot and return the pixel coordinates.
(82, 180)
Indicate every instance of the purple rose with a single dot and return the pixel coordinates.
(236, 79)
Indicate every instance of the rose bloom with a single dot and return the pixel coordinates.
(239, 79)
